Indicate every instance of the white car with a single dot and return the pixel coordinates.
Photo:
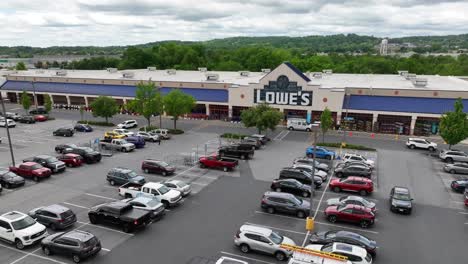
(356, 157)
(355, 254)
(177, 185)
(309, 168)
(422, 143)
(10, 123)
(147, 203)
(128, 124)
(162, 133)
(122, 131)
(226, 260)
(147, 136)
(20, 229)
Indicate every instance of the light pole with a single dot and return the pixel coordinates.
(310, 218)
(346, 113)
(34, 93)
(8, 130)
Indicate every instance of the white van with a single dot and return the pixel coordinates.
(298, 124)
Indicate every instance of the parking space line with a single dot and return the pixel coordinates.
(106, 228)
(31, 254)
(25, 256)
(240, 256)
(465, 213)
(271, 227)
(180, 173)
(75, 205)
(99, 196)
(105, 249)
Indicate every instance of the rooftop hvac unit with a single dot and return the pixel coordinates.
(151, 68)
(171, 71)
(128, 74)
(266, 70)
(112, 70)
(202, 69)
(402, 73)
(244, 73)
(316, 75)
(420, 82)
(61, 73)
(212, 76)
(327, 71)
(410, 76)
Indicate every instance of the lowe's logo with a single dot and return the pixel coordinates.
(283, 92)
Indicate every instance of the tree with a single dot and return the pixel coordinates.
(47, 103)
(326, 121)
(262, 117)
(454, 125)
(26, 101)
(104, 106)
(20, 66)
(177, 103)
(147, 101)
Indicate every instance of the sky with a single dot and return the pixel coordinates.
(43, 23)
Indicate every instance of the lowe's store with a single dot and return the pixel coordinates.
(402, 103)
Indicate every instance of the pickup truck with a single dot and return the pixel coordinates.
(167, 196)
(120, 214)
(49, 162)
(235, 151)
(117, 144)
(218, 162)
(32, 170)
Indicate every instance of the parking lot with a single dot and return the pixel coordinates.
(204, 225)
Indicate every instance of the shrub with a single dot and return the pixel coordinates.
(175, 131)
(96, 123)
(348, 146)
(148, 128)
(233, 135)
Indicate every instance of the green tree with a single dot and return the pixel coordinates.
(47, 103)
(20, 66)
(26, 101)
(454, 125)
(326, 121)
(262, 117)
(147, 101)
(177, 103)
(104, 106)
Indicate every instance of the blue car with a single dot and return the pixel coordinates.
(139, 142)
(320, 152)
(83, 128)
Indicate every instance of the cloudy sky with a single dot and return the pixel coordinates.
(122, 22)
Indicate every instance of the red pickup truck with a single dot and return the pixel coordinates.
(218, 162)
(32, 170)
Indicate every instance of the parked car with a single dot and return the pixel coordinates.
(308, 161)
(466, 197)
(358, 157)
(83, 128)
(458, 167)
(357, 200)
(218, 162)
(347, 237)
(128, 124)
(9, 179)
(71, 160)
(256, 238)
(353, 170)
(76, 243)
(352, 163)
(148, 203)
(247, 145)
(120, 175)
(350, 213)
(113, 135)
(10, 115)
(64, 132)
(61, 147)
(123, 131)
(55, 216)
(235, 151)
(31, 170)
(400, 200)
(320, 152)
(28, 119)
(167, 196)
(38, 111)
(323, 175)
(451, 156)
(139, 142)
(422, 143)
(273, 202)
(162, 133)
(157, 166)
(88, 154)
(117, 144)
(20, 229)
(355, 254)
(291, 186)
(147, 136)
(458, 186)
(257, 143)
(7, 122)
(120, 214)
(361, 185)
(263, 139)
(184, 188)
(301, 176)
(298, 124)
(49, 162)
(40, 118)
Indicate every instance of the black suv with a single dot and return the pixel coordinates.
(235, 151)
(64, 132)
(61, 147)
(122, 176)
(27, 119)
(89, 155)
(400, 200)
(285, 203)
(77, 244)
(38, 111)
(54, 216)
(300, 175)
(345, 170)
(49, 162)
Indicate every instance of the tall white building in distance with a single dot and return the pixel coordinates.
(384, 47)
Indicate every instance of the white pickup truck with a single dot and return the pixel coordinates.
(167, 196)
(117, 144)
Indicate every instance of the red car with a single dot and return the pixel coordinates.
(71, 160)
(362, 185)
(466, 197)
(40, 118)
(217, 162)
(350, 213)
(32, 170)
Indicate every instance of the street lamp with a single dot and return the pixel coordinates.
(34, 93)
(8, 130)
(315, 129)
